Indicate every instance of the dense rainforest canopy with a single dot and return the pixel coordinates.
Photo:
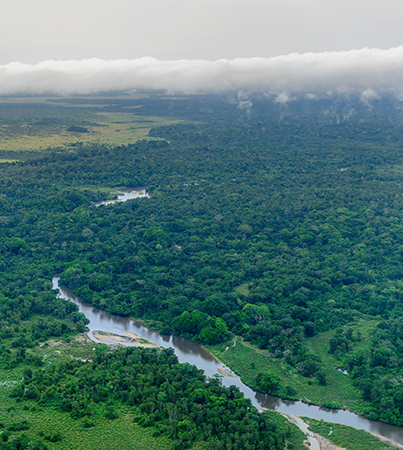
(271, 222)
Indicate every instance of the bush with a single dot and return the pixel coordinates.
(53, 437)
(88, 423)
(19, 426)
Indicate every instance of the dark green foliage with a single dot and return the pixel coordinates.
(88, 423)
(53, 437)
(20, 442)
(175, 398)
(267, 383)
(19, 426)
(5, 435)
(342, 341)
(321, 376)
(77, 129)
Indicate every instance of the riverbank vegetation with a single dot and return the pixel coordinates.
(337, 389)
(346, 437)
(171, 397)
(82, 395)
(282, 226)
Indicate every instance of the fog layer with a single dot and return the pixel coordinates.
(370, 70)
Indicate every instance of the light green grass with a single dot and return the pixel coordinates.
(109, 128)
(243, 289)
(347, 437)
(339, 392)
(120, 433)
(37, 124)
(248, 361)
(54, 100)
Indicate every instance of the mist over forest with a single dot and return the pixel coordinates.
(366, 70)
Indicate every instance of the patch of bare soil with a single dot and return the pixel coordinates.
(130, 338)
(225, 372)
(325, 444)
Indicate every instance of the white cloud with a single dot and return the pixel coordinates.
(367, 70)
(246, 104)
(369, 94)
(283, 98)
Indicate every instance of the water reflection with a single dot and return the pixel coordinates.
(126, 194)
(193, 353)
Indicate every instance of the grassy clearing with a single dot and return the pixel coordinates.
(347, 437)
(56, 350)
(106, 128)
(243, 289)
(58, 100)
(248, 361)
(339, 392)
(36, 123)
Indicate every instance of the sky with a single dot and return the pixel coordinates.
(206, 31)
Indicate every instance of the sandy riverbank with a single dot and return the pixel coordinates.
(225, 372)
(130, 338)
(387, 441)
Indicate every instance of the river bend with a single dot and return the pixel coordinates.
(193, 353)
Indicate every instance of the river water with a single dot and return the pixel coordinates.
(193, 353)
(126, 194)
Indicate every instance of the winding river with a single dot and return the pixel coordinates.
(193, 353)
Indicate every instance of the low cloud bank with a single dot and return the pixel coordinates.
(366, 70)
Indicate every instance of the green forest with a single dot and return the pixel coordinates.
(279, 226)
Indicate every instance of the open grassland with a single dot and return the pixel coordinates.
(347, 437)
(36, 124)
(50, 100)
(339, 392)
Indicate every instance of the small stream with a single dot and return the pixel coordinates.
(193, 353)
